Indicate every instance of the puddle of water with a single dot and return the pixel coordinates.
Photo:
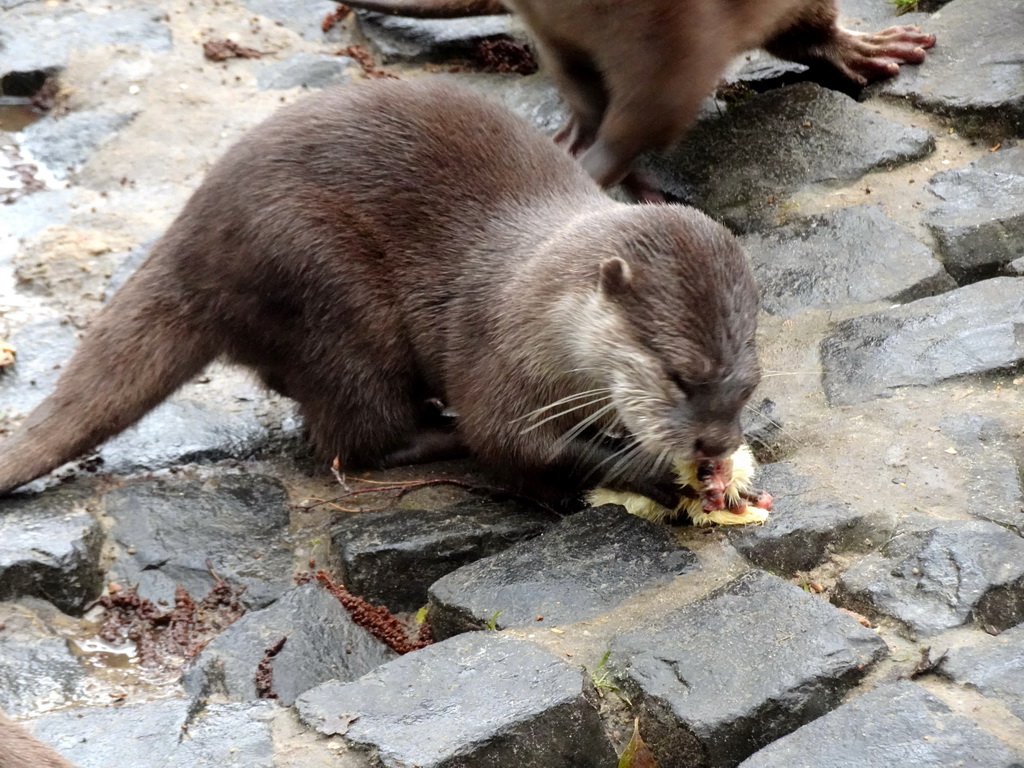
(14, 117)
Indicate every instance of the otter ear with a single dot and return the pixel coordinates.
(616, 276)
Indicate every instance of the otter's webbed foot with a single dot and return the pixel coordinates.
(867, 57)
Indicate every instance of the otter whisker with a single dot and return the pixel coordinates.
(560, 414)
(575, 431)
(570, 398)
(626, 462)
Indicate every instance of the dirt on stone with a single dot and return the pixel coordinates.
(163, 637)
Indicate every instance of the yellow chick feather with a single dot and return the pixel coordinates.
(743, 468)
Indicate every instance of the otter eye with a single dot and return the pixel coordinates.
(681, 384)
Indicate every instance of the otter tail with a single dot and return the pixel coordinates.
(145, 344)
(432, 9)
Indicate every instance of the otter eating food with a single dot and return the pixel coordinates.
(375, 247)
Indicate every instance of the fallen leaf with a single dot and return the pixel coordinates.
(637, 754)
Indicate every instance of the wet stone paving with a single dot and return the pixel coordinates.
(174, 600)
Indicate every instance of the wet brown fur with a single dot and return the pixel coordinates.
(634, 72)
(20, 749)
(376, 246)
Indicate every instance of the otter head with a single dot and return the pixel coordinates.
(679, 303)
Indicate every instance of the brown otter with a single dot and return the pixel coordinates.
(19, 749)
(377, 246)
(634, 73)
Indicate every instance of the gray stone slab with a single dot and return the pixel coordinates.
(50, 548)
(64, 144)
(171, 531)
(801, 533)
(728, 674)
(238, 735)
(43, 347)
(40, 36)
(738, 166)
(894, 725)
(139, 735)
(306, 70)
(392, 557)
(583, 567)
(994, 484)
(323, 643)
(37, 669)
(994, 666)
(930, 581)
(303, 16)
(979, 223)
(408, 40)
(975, 71)
(480, 700)
(833, 260)
(763, 429)
(163, 734)
(972, 330)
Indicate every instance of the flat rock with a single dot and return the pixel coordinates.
(898, 724)
(993, 477)
(738, 165)
(424, 708)
(833, 260)
(306, 70)
(763, 429)
(803, 532)
(971, 330)
(139, 735)
(392, 557)
(43, 347)
(934, 580)
(237, 735)
(583, 567)
(303, 16)
(979, 221)
(994, 666)
(163, 734)
(63, 145)
(50, 548)
(726, 675)
(408, 40)
(38, 36)
(323, 643)
(172, 532)
(39, 671)
(975, 72)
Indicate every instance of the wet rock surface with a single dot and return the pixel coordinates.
(400, 39)
(993, 665)
(50, 548)
(739, 165)
(975, 74)
(321, 643)
(907, 725)
(583, 567)
(942, 578)
(392, 557)
(834, 260)
(793, 658)
(889, 408)
(420, 709)
(979, 219)
(174, 532)
(973, 330)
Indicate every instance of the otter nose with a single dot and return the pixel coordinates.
(716, 442)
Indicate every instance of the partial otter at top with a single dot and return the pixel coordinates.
(634, 72)
(375, 247)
